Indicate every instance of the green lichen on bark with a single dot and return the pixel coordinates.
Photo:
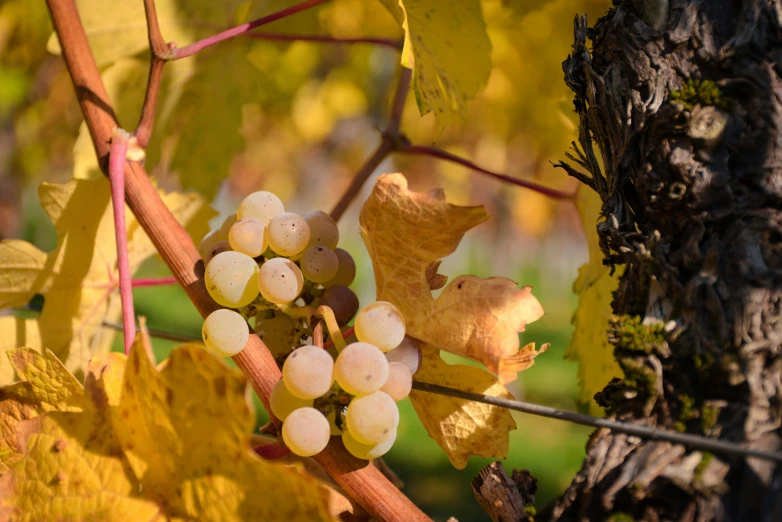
(627, 332)
(699, 92)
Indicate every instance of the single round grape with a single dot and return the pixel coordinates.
(361, 368)
(248, 236)
(280, 280)
(216, 248)
(308, 372)
(206, 243)
(306, 432)
(373, 418)
(408, 353)
(342, 301)
(399, 382)
(231, 279)
(323, 229)
(346, 271)
(366, 451)
(288, 234)
(319, 264)
(225, 228)
(283, 402)
(382, 324)
(225, 332)
(260, 205)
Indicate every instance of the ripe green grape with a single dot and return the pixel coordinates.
(216, 248)
(231, 279)
(373, 418)
(323, 229)
(366, 451)
(206, 243)
(280, 280)
(319, 264)
(306, 432)
(225, 332)
(407, 353)
(399, 382)
(308, 372)
(288, 234)
(260, 205)
(382, 324)
(361, 368)
(346, 271)
(248, 236)
(227, 224)
(283, 402)
(342, 301)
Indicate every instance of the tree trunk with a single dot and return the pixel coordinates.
(684, 102)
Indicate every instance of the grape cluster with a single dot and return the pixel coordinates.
(263, 258)
(353, 396)
(267, 263)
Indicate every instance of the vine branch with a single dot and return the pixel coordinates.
(279, 37)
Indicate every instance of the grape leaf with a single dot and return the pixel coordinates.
(46, 386)
(406, 233)
(21, 265)
(448, 48)
(16, 332)
(594, 286)
(185, 430)
(79, 278)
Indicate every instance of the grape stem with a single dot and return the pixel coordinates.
(117, 155)
(154, 281)
(317, 334)
(347, 334)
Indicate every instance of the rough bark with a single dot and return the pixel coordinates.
(682, 103)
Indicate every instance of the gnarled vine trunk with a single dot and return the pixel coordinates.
(683, 100)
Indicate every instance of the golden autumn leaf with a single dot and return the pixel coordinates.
(46, 386)
(79, 278)
(448, 49)
(16, 332)
(185, 430)
(595, 287)
(407, 233)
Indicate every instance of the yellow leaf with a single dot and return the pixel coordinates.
(407, 233)
(462, 428)
(185, 430)
(473, 317)
(82, 280)
(46, 386)
(448, 48)
(595, 287)
(16, 332)
(21, 266)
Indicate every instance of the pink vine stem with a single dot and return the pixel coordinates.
(117, 155)
(154, 281)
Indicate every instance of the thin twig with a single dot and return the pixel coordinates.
(366, 170)
(279, 37)
(347, 334)
(117, 154)
(693, 441)
(400, 96)
(405, 148)
(154, 281)
(193, 48)
(158, 334)
(159, 52)
(317, 334)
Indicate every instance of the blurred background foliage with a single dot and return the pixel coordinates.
(298, 119)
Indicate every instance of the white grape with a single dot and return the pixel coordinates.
(399, 382)
(319, 264)
(260, 205)
(366, 451)
(346, 271)
(323, 229)
(225, 332)
(231, 279)
(361, 368)
(283, 402)
(382, 324)
(373, 418)
(306, 432)
(227, 224)
(407, 353)
(216, 248)
(308, 372)
(248, 236)
(206, 243)
(288, 234)
(280, 280)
